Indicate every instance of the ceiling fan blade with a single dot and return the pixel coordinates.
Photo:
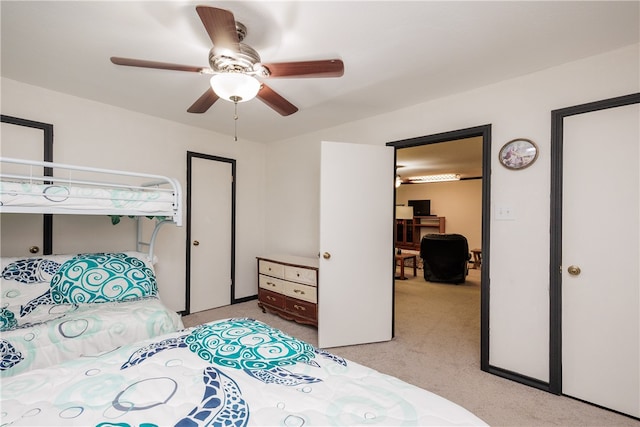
(204, 102)
(275, 101)
(154, 64)
(221, 27)
(322, 68)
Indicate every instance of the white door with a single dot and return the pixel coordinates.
(210, 283)
(600, 304)
(355, 293)
(18, 232)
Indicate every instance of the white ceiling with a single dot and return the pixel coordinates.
(462, 157)
(396, 53)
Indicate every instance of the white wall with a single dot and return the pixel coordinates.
(292, 214)
(459, 202)
(94, 134)
(521, 107)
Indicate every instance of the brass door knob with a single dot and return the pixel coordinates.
(574, 270)
(326, 255)
(196, 243)
(34, 249)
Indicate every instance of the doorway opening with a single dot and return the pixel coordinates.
(455, 143)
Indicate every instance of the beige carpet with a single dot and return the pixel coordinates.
(437, 347)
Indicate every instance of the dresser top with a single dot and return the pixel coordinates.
(292, 260)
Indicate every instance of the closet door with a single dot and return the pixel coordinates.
(600, 258)
(210, 249)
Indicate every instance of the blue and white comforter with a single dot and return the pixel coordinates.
(232, 372)
(58, 307)
(69, 331)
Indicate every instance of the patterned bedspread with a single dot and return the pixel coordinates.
(68, 331)
(233, 372)
(58, 307)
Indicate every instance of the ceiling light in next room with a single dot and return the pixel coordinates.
(435, 178)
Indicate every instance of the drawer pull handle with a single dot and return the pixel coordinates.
(271, 284)
(298, 291)
(299, 307)
(270, 298)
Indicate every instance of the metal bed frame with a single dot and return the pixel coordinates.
(97, 178)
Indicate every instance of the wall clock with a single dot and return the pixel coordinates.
(518, 153)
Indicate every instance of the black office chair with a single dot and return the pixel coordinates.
(445, 258)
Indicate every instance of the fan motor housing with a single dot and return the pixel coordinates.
(243, 60)
(223, 60)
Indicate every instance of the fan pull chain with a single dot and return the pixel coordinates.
(235, 100)
(235, 122)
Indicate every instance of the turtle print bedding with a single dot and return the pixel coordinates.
(232, 372)
(58, 307)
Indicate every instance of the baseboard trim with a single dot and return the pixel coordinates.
(519, 378)
(603, 407)
(244, 299)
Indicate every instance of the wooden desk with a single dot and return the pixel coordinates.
(401, 258)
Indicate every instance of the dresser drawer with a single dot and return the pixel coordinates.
(272, 283)
(271, 298)
(300, 275)
(299, 291)
(302, 308)
(270, 268)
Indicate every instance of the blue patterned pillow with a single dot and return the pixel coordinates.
(102, 277)
(24, 279)
(30, 270)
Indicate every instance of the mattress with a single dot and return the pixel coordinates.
(232, 372)
(28, 186)
(60, 198)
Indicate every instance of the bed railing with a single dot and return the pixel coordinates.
(98, 191)
(94, 191)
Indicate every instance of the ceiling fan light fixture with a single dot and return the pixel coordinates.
(235, 87)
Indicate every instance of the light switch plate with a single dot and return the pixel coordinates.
(504, 213)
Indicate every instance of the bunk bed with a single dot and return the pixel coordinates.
(59, 307)
(79, 190)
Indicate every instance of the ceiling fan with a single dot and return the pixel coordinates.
(234, 66)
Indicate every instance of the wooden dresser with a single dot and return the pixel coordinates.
(288, 287)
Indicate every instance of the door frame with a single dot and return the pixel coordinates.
(47, 136)
(232, 162)
(483, 131)
(555, 264)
